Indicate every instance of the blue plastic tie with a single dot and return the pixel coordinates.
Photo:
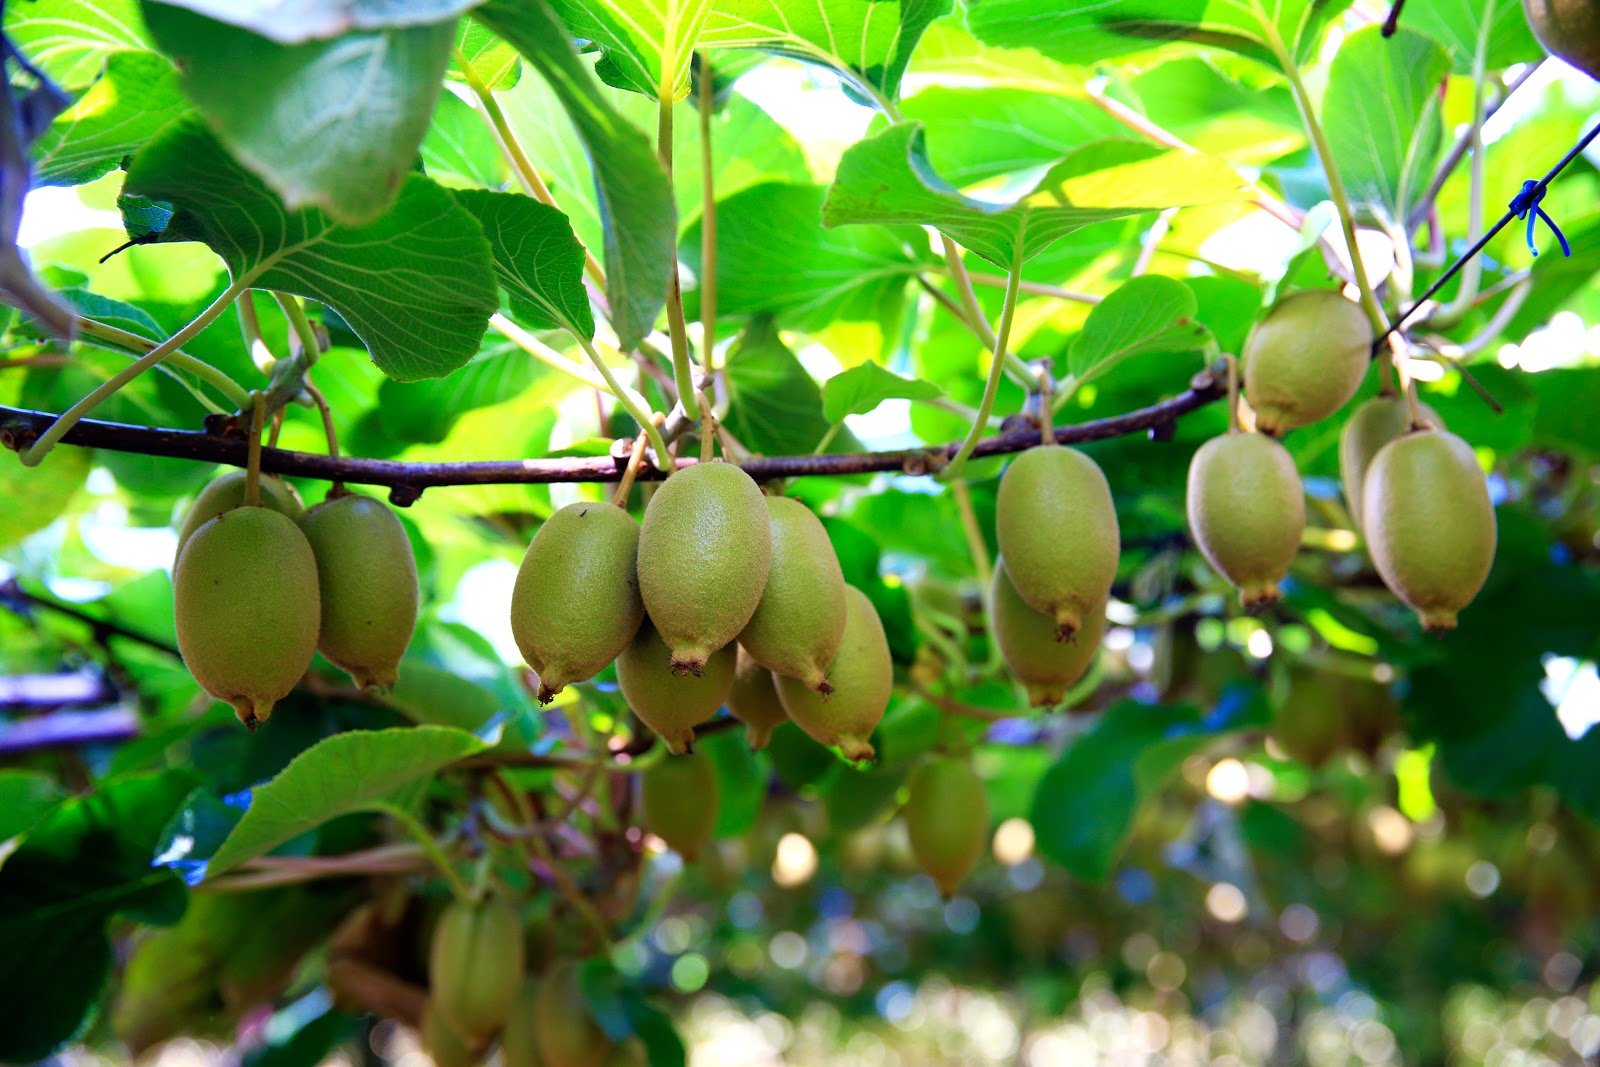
(1526, 205)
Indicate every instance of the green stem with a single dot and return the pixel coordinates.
(1472, 274)
(111, 337)
(976, 546)
(991, 388)
(827, 439)
(295, 312)
(1336, 187)
(974, 312)
(58, 429)
(430, 847)
(682, 371)
(708, 225)
(625, 398)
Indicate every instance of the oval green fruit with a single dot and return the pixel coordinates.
(1430, 524)
(1305, 359)
(678, 800)
(1309, 724)
(673, 704)
(368, 578)
(568, 1035)
(519, 1041)
(753, 700)
(226, 492)
(1057, 528)
(800, 619)
(1373, 424)
(475, 967)
(1045, 666)
(705, 548)
(862, 674)
(947, 819)
(247, 608)
(1247, 510)
(446, 1047)
(1569, 30)
(576, 603)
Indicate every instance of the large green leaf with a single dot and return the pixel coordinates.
(416, 285)
(631, 187)
(71, 40)
(25, 798)
(331, 124)
(459, 150)
(774, 405)
(47, 497)
(1086, 31)
(1496, 27)
(537, 257)
(1145, 314)
(647, 45)
(137, 95)
(87, 861)
(1382, 116)
(349, 772)
(887, 179)
(863, 387)
(973, 135)
(868, 41)
(294, 21)
(774, 256)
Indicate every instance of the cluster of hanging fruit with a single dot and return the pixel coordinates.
(480, 990)
(260, 586)
(721, 596)
(1414, 490)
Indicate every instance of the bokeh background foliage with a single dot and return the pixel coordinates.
(1310, 834)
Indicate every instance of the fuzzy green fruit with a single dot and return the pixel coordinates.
(1305, 359)
(1373, 424)
(247, 608)
(798, 623)
(1045, 666)
(1310, 724)
(226, 492)
(678, 801)
(669, 703)
(705, 548)
(368, 578)
(1247, 510)
(567, 1033)
(1057, 528)
(519, 1041)
(753, 700)
(1430, 524)
(863, 677)
(475, 967)
(576, 603)
(1569, 30)
(947, 819)
(446, 1047)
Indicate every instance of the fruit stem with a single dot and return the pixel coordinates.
(512, 149)
(1408, 384)
(972, 311)
(252, 470)
(1336, 187)
(41, 448)
(682, 371)
(708, 427)
(1047, 410)
(620, 497)
(977, 548)
(458, 886)
(337, 489)
(1233, 391)
(310, 344)
(708, 225)
(1002, 335)
(629, 404)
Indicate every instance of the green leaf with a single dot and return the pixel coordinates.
(47, 495)
(741, 782)
(1145, 314)
(294, 21)
(491, 60)
(137, 96)
(633, 193)
(870, 42)
(71, 40)
(25, 798)
(459, 149)
(646, 45)
(887, 179)
(86, 862)
(416, 285)
(863, 387)
(774, 405)
(1382, 116)
(1087, 31)
(1085, 803)
(347, 773)
(428, 695)
(537, 257)
(772, 256)
(971, 134)
(1498, 27)
(330, 124)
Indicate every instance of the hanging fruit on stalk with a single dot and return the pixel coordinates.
(947, 819)
(1305, 359)
(1373, 424)
(799, 621)
(678, 799)
(1247, 511)
(862, 674)
(1045, 666)
(672, 705)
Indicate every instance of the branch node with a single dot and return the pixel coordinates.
(403, 496)
(1163, 431)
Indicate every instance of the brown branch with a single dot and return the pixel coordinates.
(10, 591)
(20, 427)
